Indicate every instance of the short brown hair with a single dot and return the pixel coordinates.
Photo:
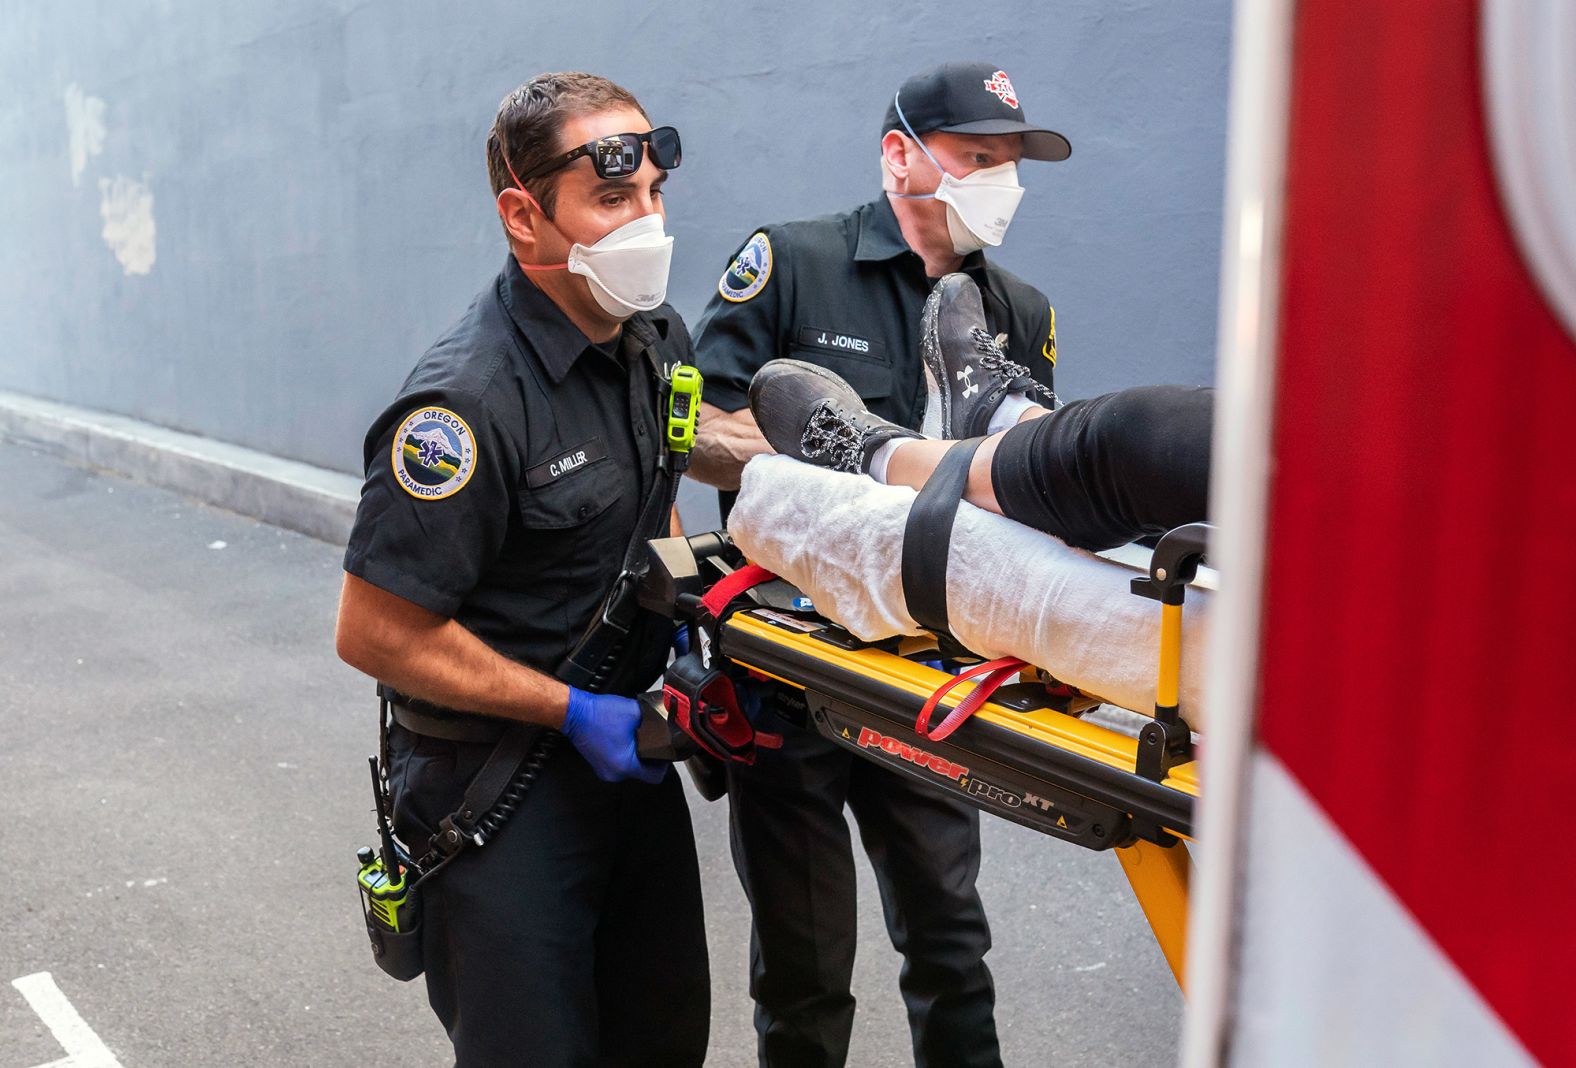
(531, 119)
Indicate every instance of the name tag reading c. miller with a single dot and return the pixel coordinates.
(566, 463)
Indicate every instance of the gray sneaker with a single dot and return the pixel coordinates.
(967, 373)
(811, 414)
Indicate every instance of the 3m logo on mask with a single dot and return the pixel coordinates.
(1001, 85)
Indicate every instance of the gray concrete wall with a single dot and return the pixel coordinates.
(246, 220)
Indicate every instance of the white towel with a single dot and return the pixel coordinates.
(1011, 590)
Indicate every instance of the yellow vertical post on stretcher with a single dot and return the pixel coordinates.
(1159, 874)
(1159, 877)
(1169, 686)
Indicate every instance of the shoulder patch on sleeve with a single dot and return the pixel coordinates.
(434, 454)
(748, 273)
(1048, 350)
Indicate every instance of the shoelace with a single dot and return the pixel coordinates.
(829, 434)
(995, 359)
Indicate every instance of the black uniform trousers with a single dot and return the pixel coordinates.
(1103, 472)
(575, 936)
(793, 852)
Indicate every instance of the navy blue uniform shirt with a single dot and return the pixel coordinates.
(846, 292)
(505, 480)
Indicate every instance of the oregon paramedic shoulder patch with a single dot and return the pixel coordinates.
(434, 454)
(747, 274)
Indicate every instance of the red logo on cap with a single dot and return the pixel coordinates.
(1001, 85)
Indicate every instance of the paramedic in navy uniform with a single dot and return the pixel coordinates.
(503, 487)
(846, 292)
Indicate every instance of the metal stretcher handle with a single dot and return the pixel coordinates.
(1167, 741)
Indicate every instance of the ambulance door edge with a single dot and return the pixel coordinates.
(1250, 280)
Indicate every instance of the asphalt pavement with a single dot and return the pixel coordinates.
(183, 786)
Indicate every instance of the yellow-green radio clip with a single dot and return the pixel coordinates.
(684, 389)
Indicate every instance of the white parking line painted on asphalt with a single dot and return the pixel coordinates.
(84, 1049)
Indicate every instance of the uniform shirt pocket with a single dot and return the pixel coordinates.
(860, 361)
(570, 489)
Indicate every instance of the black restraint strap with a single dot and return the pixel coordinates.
(928, 534)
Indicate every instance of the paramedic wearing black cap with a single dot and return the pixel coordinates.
(846, 292)
(503, 487)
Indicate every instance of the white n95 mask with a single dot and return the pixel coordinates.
(980, 205)
(627, 270)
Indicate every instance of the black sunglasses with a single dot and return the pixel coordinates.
(620, 155)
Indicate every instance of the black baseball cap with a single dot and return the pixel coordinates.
(970, 98)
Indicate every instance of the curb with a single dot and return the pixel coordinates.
(309, 500)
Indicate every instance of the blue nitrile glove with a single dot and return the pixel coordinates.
(681, 639)
(752, 699)
(602, 727)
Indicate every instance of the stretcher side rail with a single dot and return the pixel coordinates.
(1021, 773)
(1007, 772)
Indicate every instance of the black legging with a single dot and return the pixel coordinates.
(1106, 471)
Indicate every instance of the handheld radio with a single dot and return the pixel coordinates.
(388, 900)
(684, 390)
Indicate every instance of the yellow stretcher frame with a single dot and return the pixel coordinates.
(1021, 756)
(1159, 876)
(1157, 867)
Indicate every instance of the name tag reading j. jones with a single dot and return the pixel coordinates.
(838, 342)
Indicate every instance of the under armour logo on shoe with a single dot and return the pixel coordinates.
(966, 376)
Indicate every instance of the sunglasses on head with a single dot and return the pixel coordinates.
(620, 155)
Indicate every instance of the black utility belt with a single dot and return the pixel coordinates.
(420, 717)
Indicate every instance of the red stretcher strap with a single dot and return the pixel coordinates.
(989, 676)
(731, 585)
(719, 725)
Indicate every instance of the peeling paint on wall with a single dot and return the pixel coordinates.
(84, 128)
(127, 208)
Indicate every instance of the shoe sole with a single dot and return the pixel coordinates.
(936, 424)
(935, 362)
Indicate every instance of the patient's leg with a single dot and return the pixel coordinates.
(1096, 473)
(911, 461)
(1011, 591)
